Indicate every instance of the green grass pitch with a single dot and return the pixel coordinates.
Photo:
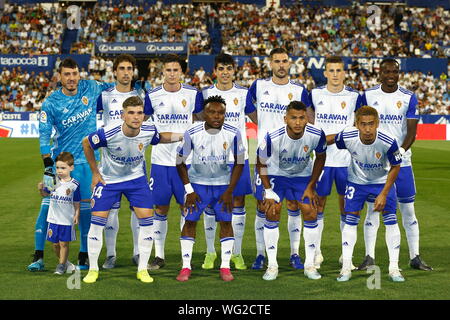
(21, 169)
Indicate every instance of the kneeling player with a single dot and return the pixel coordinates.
(374, 167)
(286, 170)
(213, 181)
(122, 172)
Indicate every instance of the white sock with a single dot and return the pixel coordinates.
(145, 242)
(392, 239)
(226, 248)
(160, 229)
(349, 236)
(271, 236)
(134, 223)
(320, 225)
(294, 226)
(95, 240)
(342, 222)
(187, 244)
(411, 226)
(210, 225)
(238, 223)
(111, 230)
(371, 225)
(260, 219)
(310, 235)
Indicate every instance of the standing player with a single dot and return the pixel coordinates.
(334, 105)
(109, 103)
(271, 96)
(398, 112)
(70, 111)
(122, 171)
(286, 170)
(173, 106)
(235, 97)
(374, 167)
(213, 181)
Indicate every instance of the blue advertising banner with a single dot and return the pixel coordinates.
(141, 48)
(40, 63)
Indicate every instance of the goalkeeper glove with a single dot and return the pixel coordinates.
(49, 179)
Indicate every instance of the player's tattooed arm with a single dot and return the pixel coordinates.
(310, 191)
(330, 139)
(411, 129)
(310, 114)
(90, 157)
(380, 200)
(227, 197)
(191, 198)
(170, 137)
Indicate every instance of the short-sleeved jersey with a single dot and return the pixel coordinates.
(172, 112)
(334, 112)
(110, 104)
(236, 109)
(394, 109)
(210, 153)
(370, 163)
(287, 157)
(122, 157)
(271, 100)
(61, 210)
(72, 117)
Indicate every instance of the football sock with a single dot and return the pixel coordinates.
(209, 223)
(187, 244)
(342, 222)
(134, 223)
(84, 224)
(160, 227)
(371, 225)
(40, 229)
(271, 236)
(95, 240)
(392, 239)
(238, 223)
(320, 225)
(111, 230)
(411, 226)
(226, 248)
(311, 237)
(294, 225)
(145, 241)
(349, 236)
(260, 219)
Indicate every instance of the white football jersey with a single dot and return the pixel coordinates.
(393, 109)
(332, 113)
(122, 157)
(172, 112)
(271, 101)
(110, 102)
(291, 158)
(61, 210)
(210, 153)
(236, 108)
(370, 163)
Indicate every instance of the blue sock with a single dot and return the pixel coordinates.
(84, 224)
(40, 229)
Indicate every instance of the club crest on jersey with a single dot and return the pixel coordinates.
(399, 104)
(306, 148)
(225, 146)
(140, 147)
(378, 155)
(290, 96)
(95, 139)
(236, 101)
(184, 103)
(343, 104)
(68, 191)
(50, 233)
(85, 100)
